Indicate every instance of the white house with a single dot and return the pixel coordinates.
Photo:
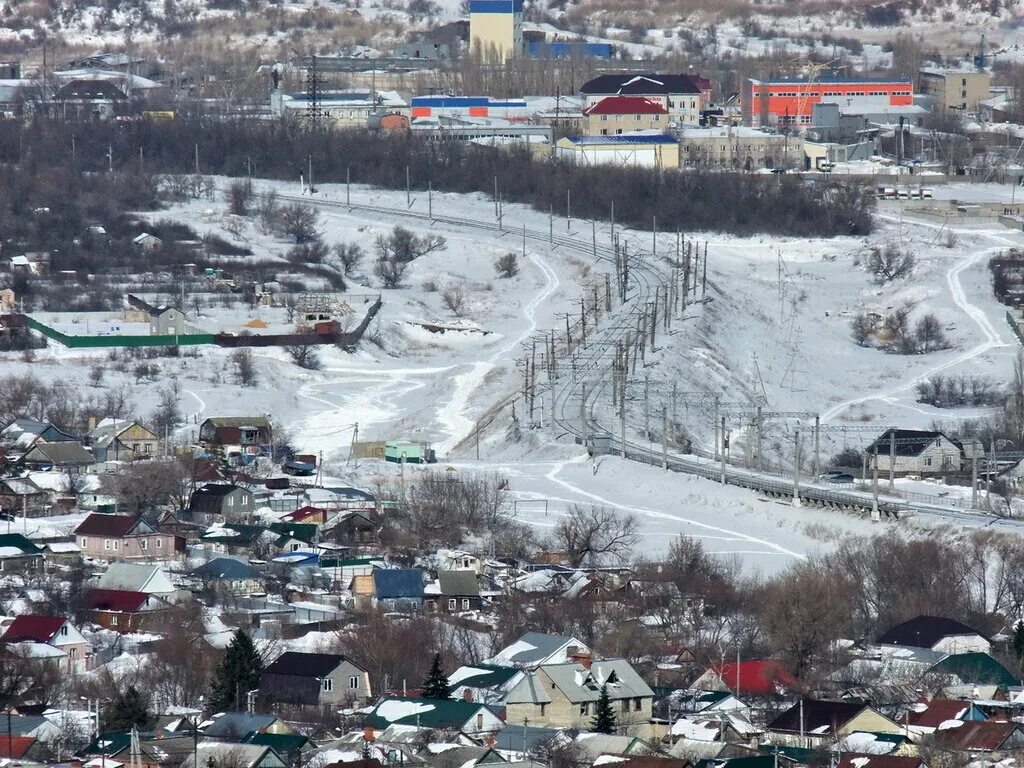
(915, 452)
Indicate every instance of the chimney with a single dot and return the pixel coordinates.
(368, 734)
(92, 423)
(467, 694)
(581, 657)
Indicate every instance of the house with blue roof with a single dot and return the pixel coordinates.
(393, 589)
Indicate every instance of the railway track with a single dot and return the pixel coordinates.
(590, 365)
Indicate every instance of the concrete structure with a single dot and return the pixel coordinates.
(423, 49)
(833, 121)
(615, 115)
(791, 102)
(956, 88)
(741, 148)
(684, 96)
(640, 150)
(344, 109)
(496, 28)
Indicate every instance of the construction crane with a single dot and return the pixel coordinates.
(814, 70)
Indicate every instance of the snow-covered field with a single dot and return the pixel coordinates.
(776, 327)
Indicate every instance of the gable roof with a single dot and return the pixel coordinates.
(114, 526)
(450, 714)
(819, 716)
(975, 668)
(15, 747)
(238, 724)
(38, 628)
(482, 676)
(925, 631)
(136, 577)
(397, 583)
(580, 684)
(216, 490)
(459, 583)
(65, 454)
(626, 105)
(758, 677)
(909, 442)
(855, 760)
(226, 568)
(648, 83)
(512, 737)
(298, 664)
(233, 533)
(534, 648)
(977, 735)
(239, 421)
(15, 545)
(120, 600)
(934, 713)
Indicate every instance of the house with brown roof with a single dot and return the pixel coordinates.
(817, 722)
(988, 737)
(122, 537)
(928, 716)
(356, 529)
(21, 496)
(613, 115)
(220, 502)
(122, 610)
(855, 760)
(60, 642)
(249, 433)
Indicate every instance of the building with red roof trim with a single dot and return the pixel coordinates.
(614, 115)
(15, 747)
(49, 638)
(122, 610)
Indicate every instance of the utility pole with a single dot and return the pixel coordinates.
(568, 209)
(874, 485)
(817, 444)
(796, 468)
(622, 413)
(348, 186)
(725, 446)
(664, 437)
(583, 413)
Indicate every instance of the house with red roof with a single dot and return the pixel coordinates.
(757, 677)
(16, 747)
(928, 716)
(614, 115)
(994, 739)
(122, 537)
(51, 639)
(124, 611)
(306, 515)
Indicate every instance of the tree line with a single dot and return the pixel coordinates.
(283, 150)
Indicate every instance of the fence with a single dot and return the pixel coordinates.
(129, 340)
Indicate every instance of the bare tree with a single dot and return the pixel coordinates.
(591, 534)
(245, 366)
(305, 356)
(454, 297)
(862, 327)
(348, 255)
(403, 245)
(390, 271)
(146, 486)
(507, 266)
(268, 209)
(929, 334)
(298, 221)
(890, 263)
(240, 197)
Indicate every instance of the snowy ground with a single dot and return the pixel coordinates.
(776, 329)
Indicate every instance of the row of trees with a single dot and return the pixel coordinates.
(689, 200)
(894, 332)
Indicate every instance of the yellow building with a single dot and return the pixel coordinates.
(956, 88)
(496, 27)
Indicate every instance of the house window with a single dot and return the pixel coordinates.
(117, 545)
(353, 682)
(147, 448)
(479, 721)
(231, 501)
(64, 630)
(159, 543)
(584, 708)
(451, 604)
(143, 544)
(465, 604)
(107, 544)
(638, 704)
(113, 621)
(85, 542)
(625, 705)
(71, 652)
(328, 684)
(543, 706)
(604, 118)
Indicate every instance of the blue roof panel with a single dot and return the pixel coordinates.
(396, 583)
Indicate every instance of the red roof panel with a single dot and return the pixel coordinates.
(106, 525)
(116, 600)
(763, 677)
(38, 628)
(626, 105)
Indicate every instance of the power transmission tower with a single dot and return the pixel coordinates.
(314, 95)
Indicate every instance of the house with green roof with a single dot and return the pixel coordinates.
(484, 683)
(17, 553)
(290, 746)
(436, 714)
(975, 669)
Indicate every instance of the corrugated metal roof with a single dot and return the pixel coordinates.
(630, 140)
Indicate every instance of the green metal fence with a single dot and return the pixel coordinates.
(97, 342)
(1015, 328)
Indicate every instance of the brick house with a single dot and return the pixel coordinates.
(122, 537)
(613, 115)
(122, 610)
(56, 632)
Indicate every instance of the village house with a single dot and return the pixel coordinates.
(238, 539)
(251, 434)
(484, 683)
(138, 577)
(122, 537)
(927, 716)
(990, 738)
(565, 695)
(354, 529)
(119, 440)
(124, 611)
(914, 452)
(236, 755)
(392, 589)
(536, 648)
(307, 515)
(21, 496)
(454, 592)
(757, 677)
(231, 575)
(220, 502)
(22, 434)
(71, 457)
(441, 714)
(36, 636)
(315, 679)
(938, 634)
(147, 242)
(18, 553)
(814, 723)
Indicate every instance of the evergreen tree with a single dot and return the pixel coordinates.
(1018, 640)
(436, 685)
(236, 675)
(127, 710)
(604, 715)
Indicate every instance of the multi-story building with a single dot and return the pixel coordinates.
(741, 148)
(956, 88)
(496, 28)
(683, 96)
(613, 115)
(791, 102)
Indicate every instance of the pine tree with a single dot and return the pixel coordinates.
(604, 715)
(436, 685)
(237, 674)
(126, 711)
(1018, 640)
